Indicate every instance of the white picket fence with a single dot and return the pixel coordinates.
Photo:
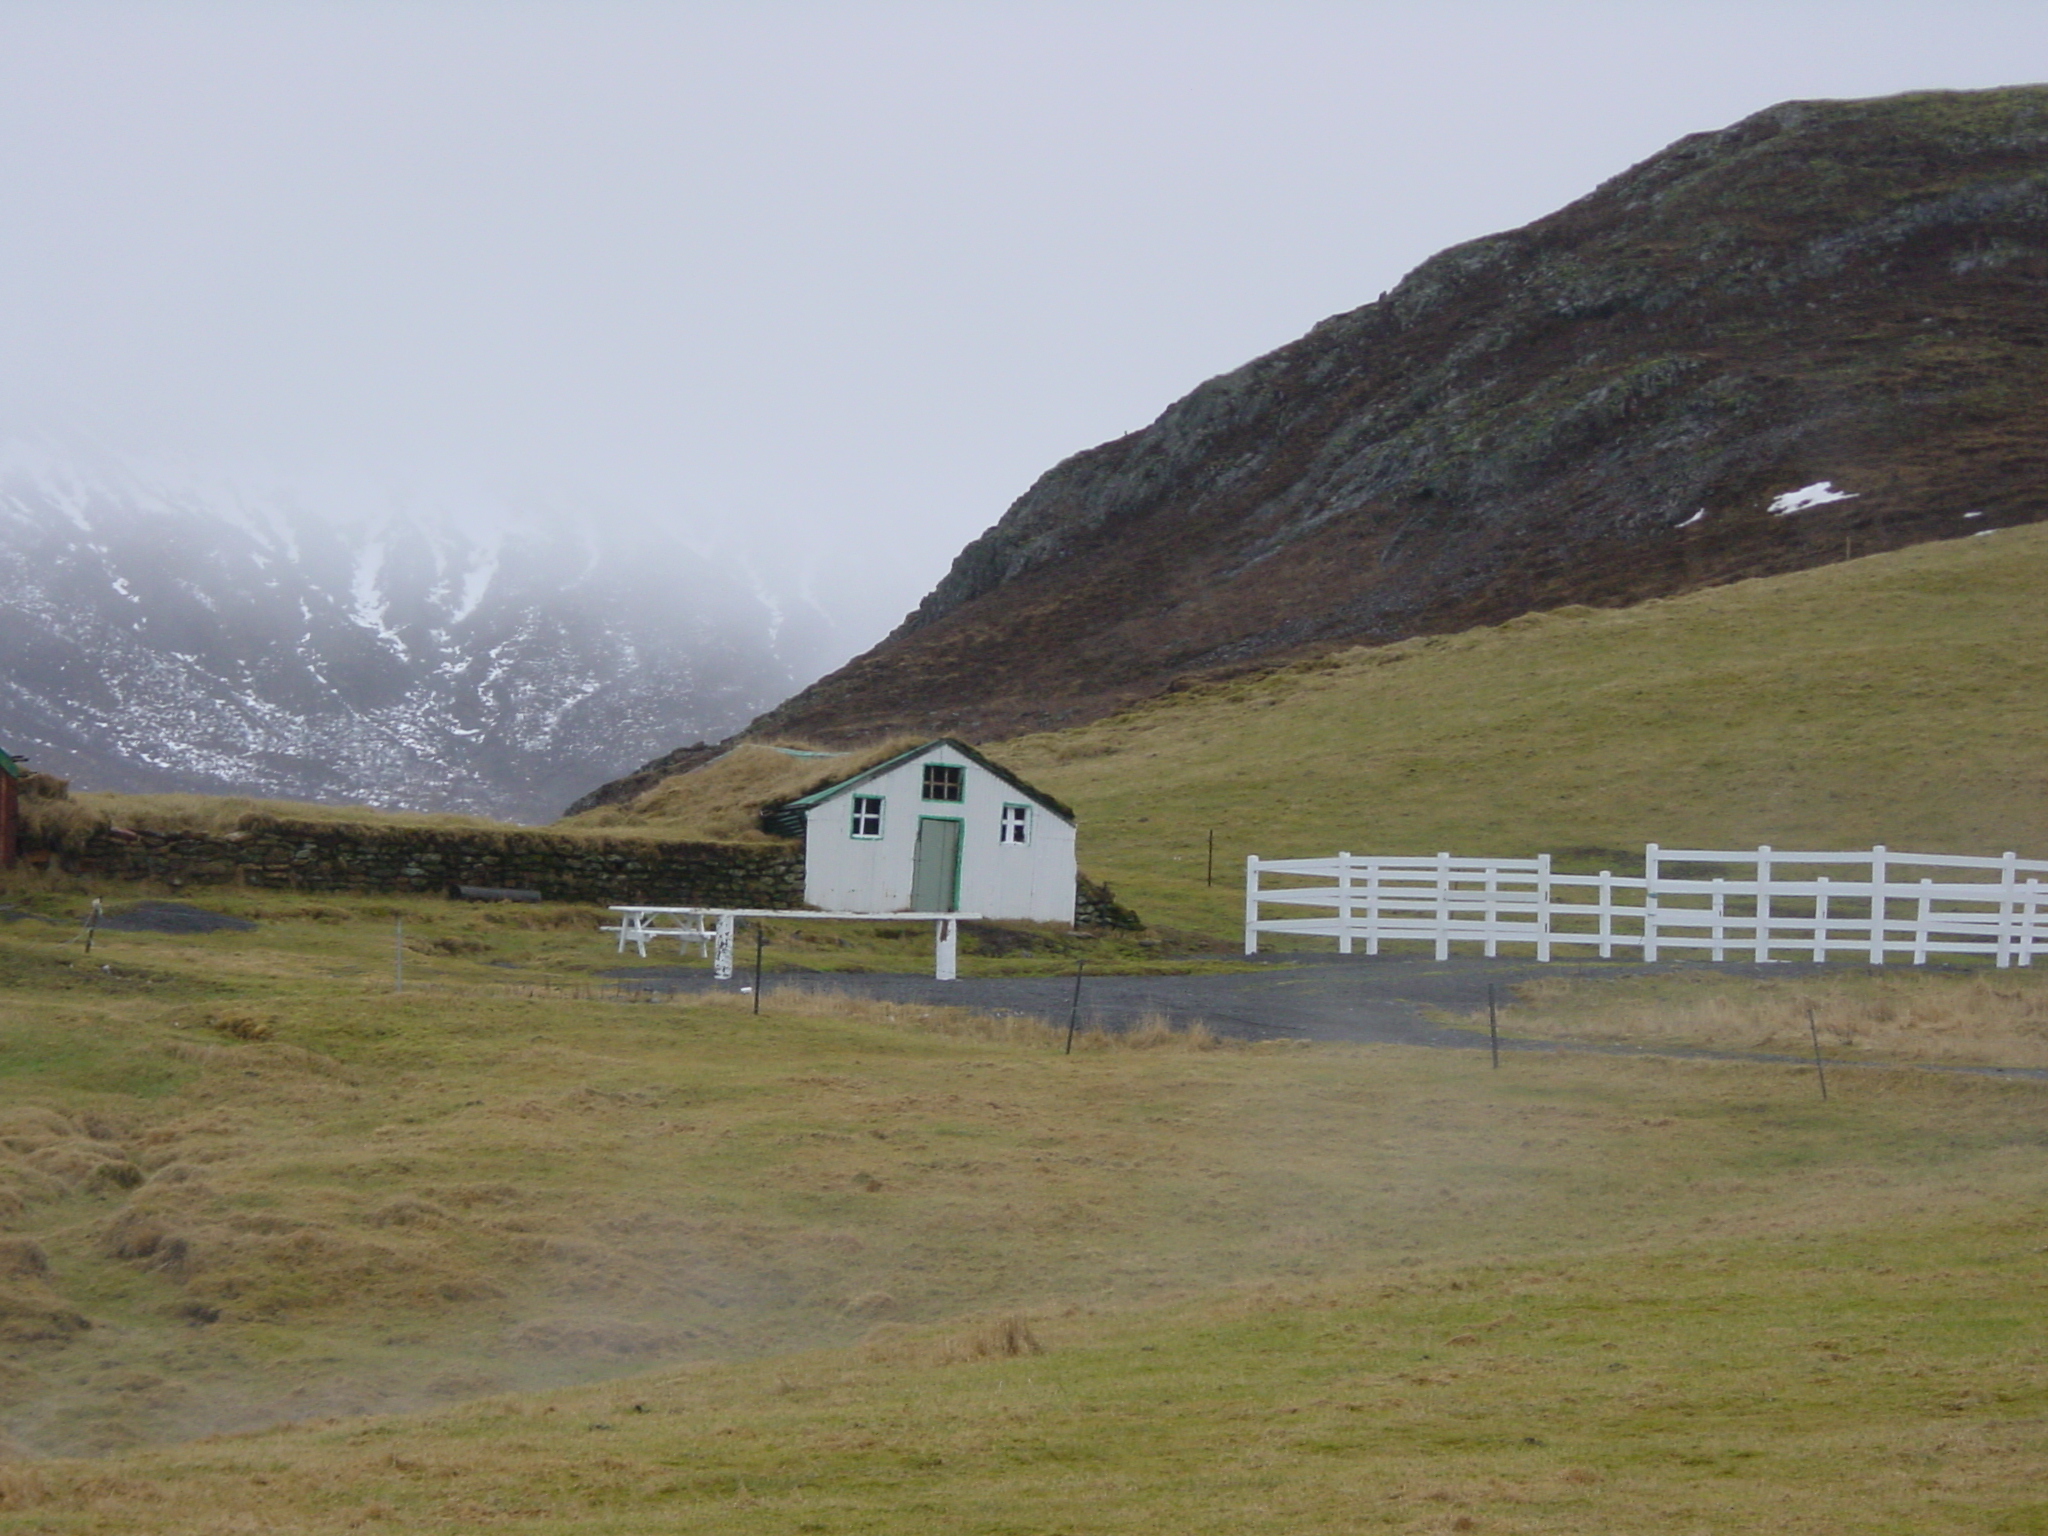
(1780, 907)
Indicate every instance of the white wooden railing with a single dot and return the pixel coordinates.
(1779, 906)
(641, 926)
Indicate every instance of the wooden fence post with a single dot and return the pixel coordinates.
(1251, 903)
(2008, 895)
(1763, 903)
(1443, 906)
(1343, 903)
(1650, 876)
(1372, 907)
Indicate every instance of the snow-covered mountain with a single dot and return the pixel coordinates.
(162, 633)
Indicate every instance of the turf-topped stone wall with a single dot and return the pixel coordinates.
(1096, 906)
(332, 856)
(316, 856)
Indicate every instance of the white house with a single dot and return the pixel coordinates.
(939, 828)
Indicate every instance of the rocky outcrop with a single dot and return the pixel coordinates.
(1602, 407)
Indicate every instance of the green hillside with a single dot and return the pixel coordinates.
(1900, 699)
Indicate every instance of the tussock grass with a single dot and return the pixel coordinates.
(1983, 1018)
(94, 810)
(1150, 1032)
(1899, 699)
(721, 801)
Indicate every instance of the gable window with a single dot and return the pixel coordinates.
(1016, 824)
(944, 781)
(867, 816)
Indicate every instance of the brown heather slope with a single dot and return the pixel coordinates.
(1597, 408)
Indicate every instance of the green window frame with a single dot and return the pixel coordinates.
(865, 819)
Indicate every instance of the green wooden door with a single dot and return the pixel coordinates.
(935, 868)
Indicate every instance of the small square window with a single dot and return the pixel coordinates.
(1016, 824)
(867, 815)
(944, 781)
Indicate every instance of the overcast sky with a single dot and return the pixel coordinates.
(834, 281)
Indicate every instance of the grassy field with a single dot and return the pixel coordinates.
(599, 1267)
(1900, 699)
(286, 1249)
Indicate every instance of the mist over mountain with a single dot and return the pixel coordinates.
(166, 633)
(1819, 333)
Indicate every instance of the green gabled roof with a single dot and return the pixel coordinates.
(817, 797)
(11, 767)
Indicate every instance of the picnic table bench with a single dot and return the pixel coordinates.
(641, 926)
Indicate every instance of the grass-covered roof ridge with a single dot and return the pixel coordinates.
(721, 801)
(729, 798)
(841, 783)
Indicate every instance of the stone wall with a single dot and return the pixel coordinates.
(332, 856)
(1096, 906)
(324, 856)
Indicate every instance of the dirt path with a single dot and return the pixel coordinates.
(1399, 1001)
(1359, 998)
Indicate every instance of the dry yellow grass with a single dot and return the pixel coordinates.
(927, 1273)
(67, 821)
(1981, 1018)
(721, 801)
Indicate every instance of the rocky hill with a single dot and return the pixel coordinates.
(1820, 332)
(183, 637)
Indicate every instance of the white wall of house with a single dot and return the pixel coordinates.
(1032, 880)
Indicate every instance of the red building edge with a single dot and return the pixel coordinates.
(11, 774)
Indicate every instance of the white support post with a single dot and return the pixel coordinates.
(1251, 903)
(2030, 922)
(721, 949)
(1878, 909)
(1720, 915)
(947, 961)
(1763, 903)
(1543, 908)
(1343, 903)
(1649, 904)
(1920, 926)
(1820, 920)
(1443, 906)
(2008, 894)
(1490, 911)
(1372, 907)
(1606, 914)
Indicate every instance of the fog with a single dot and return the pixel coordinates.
(825, 284)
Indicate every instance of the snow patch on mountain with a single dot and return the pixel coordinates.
(183, 633)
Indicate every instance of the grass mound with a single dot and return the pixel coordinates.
(721, 801)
